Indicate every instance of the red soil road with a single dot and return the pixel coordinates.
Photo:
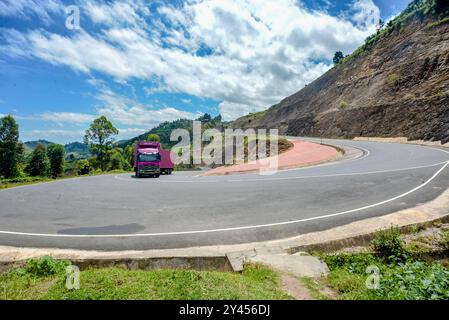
(302, 154)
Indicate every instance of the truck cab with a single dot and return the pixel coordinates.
(147, 159)
(151, 160)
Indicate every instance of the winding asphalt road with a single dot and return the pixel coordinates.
(120, 212)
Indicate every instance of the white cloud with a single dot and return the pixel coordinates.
(117, 13)
(121, 111)
(126, 111)
(257, 52)
(230, 110)
(24, 8)
(77, 135)
(366, 13)
(70, 117)
(41, 134)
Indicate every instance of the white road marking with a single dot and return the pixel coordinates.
(341, 174)
(289, 178)
(232, 228)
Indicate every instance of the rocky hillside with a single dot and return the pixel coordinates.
(396, 84)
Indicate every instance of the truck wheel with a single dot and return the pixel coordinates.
(137, 175)
(170, 171)
(156, 175)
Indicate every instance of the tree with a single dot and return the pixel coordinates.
(205, 118)
(380, 25)
(55, 154)
(338, 57)
(154, 137)
(11, 150)
(218, 118)
(38, 164)
(100, 138)
(118, 160)
(129, 154)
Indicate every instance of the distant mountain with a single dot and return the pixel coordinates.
(31, 145)
(396, 84)
(73, 150)
(77, 149)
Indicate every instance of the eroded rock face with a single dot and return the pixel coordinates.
(400, 87)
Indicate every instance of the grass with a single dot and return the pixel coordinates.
(317, 288)
(255, 282)
(439, 22)
(402, 276)
(254, 116)
(22, 181)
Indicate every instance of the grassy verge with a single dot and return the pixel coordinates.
(22, 181)
(45, 279)
(393, 268)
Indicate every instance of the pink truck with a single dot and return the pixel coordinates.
(151, 160)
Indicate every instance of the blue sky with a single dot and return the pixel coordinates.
(143, 62)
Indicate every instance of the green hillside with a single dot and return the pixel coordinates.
(31, 145)
(164, 130)
(73, 150)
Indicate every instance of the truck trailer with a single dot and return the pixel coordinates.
(151, 160)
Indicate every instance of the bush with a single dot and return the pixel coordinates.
(338, 57)
(388, 245)
(353, 263)
(83, 167)
(343, 105)
(45, 266)
(393, 79)
(118, 160)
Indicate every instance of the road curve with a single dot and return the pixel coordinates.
(121, 213)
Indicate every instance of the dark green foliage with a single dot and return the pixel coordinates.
(409, 280)
(45, 266)
(414, 281)
(154, 137)
(83, 167)
(354, 263)
(388, 245)
(205, 118)
(100, 137)
(55, 154)
(11, 150)
(338, 57)
(38, 164)
(118, 161)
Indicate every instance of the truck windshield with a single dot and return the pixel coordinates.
(150, 157)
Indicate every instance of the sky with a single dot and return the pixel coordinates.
(143, 62)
